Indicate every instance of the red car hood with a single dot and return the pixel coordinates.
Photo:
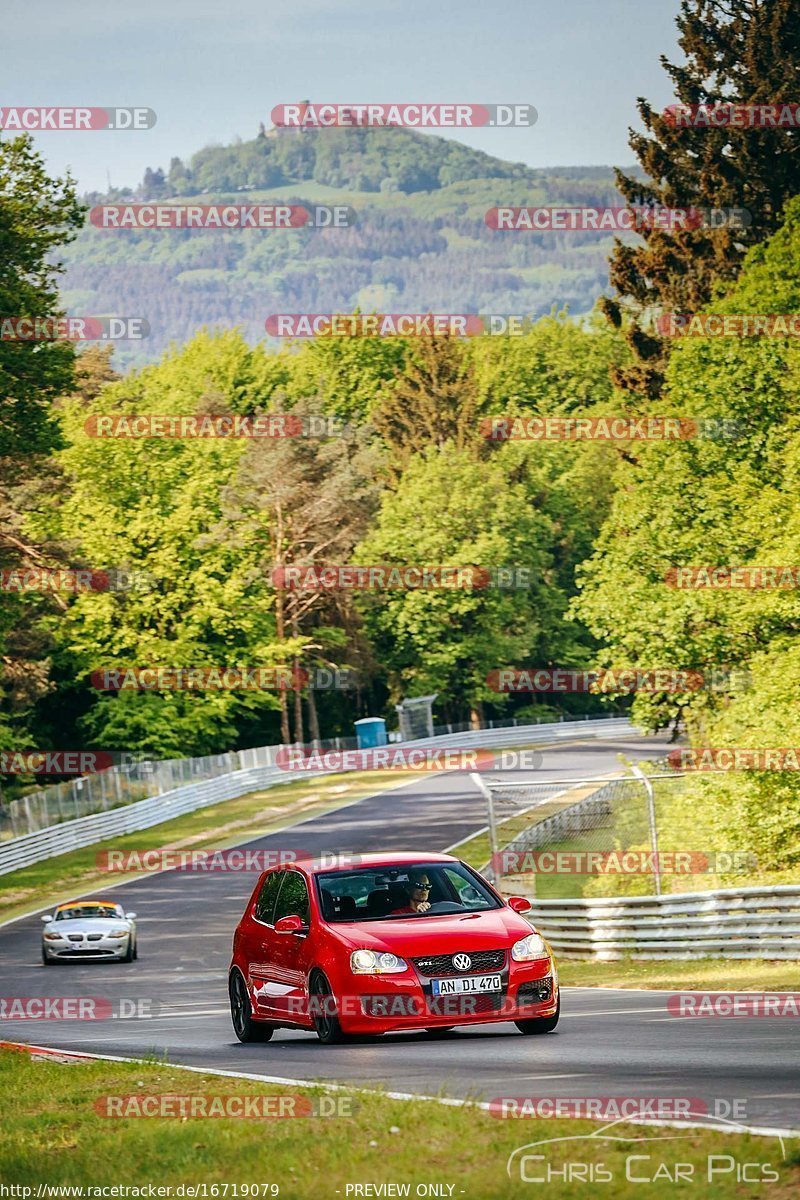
(411, 936)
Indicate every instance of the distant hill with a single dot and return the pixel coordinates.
(420, 243)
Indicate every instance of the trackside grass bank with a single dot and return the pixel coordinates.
(713, 974)
(54, 1132)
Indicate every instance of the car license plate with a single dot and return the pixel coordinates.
(468, 983)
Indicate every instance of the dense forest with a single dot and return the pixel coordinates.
(405, 473)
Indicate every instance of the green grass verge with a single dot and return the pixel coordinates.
(53, 1134)
(218, 826)
(714, 974)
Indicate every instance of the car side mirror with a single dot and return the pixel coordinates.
(290, 924)
(520, 904)
(130, 916)
(49, 917)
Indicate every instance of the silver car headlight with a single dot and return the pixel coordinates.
(117, 933)
(368, 962)
(529, 948)
(54, 937)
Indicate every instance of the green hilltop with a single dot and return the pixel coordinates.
(420, 242)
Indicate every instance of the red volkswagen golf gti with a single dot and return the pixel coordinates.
(400, 941)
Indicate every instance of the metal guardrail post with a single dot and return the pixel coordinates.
(493, 846)
(651, 812)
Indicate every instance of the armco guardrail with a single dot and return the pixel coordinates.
(751, 922)
(142, 814)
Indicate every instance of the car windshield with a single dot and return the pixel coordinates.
(419, 890)
(78, 912)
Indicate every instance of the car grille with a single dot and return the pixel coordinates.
(464, 1006)
(391, 1006)
(435, 965)
(535, 990)
(75, 937)
(86, 952)
(94, 937)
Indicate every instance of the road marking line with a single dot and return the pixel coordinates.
(612, 1012)
(448, 1101)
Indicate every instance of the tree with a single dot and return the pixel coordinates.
(709, 501)
(737, 51)
(303, 501)
(38, 216)
(152, 507)
(434, 401)
(450, 510)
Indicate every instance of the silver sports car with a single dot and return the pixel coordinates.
(89, 929)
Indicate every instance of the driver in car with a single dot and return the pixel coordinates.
(419, 887)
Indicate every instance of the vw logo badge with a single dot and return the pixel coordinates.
(462, 962)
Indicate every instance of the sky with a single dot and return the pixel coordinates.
(212, 71)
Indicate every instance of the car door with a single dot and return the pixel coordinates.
(260, 948)
(288, 964)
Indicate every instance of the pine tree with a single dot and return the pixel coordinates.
(434, 401)
(737, 51)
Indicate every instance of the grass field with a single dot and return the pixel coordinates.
(52, 1133)
(713, 974)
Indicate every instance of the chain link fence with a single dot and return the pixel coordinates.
(140, 779)
(633, 835)
(119, 785)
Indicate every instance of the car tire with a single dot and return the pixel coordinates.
(136, 948)
(245, 1028)
(540, 1024)
(46, 962)
(129, 954)
(326, 1022)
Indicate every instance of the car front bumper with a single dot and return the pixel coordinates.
(385, 1003)
(65, 951)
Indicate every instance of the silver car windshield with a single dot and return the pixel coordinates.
(83, 912)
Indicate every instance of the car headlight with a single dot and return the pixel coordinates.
(54, 937)
(367, 962)
(117, 933)
(528, 948)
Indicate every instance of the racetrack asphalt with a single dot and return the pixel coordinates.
(609, 1043)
